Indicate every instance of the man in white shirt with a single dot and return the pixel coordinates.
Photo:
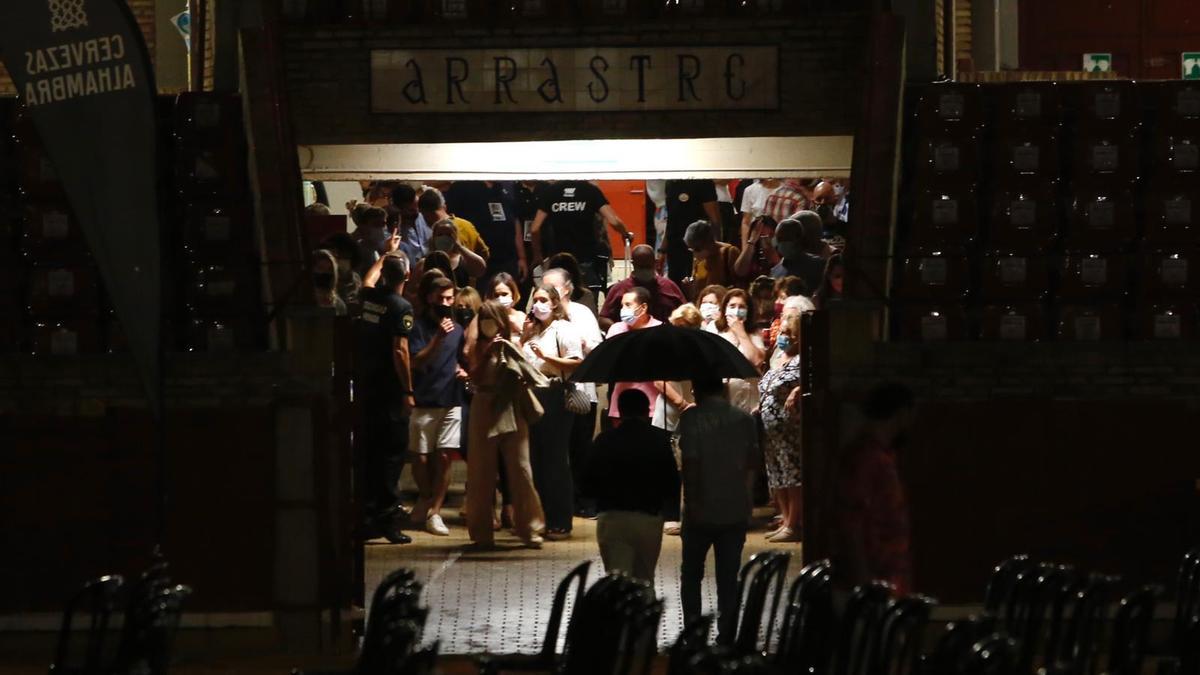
(585, 425)
(754, 201)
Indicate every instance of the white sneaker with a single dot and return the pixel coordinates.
(434, 525)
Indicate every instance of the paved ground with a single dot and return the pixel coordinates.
(499, 601)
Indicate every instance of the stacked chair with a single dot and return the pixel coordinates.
(1036, 210)
(152, 607)
(395, 625)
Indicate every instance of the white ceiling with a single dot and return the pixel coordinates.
(750, 157)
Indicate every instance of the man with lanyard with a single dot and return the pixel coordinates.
(384, 385)
(569, 209)
(687, 202)
(491, 207)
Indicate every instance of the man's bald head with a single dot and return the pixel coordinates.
(824, 194)
(642, 257)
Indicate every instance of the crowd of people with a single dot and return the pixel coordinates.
(475, 302)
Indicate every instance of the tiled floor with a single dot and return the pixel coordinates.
(499, 601)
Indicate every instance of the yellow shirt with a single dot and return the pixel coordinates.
(469, 237)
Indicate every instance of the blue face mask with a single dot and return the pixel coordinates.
(629, 315)
(783, 342)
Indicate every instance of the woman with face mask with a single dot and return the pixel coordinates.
(710, 306)
(465, 264)
(553, 345)
(498, 433)
(779, 407)
(733, 324)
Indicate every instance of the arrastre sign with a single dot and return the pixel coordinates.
(574, 79)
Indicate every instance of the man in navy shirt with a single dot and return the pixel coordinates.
(491, 208)
(436, 343)
(384, 385)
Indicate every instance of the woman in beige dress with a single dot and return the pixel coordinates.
(501, 414)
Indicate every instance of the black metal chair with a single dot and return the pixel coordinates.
(807, 630)
(902, 635)
(1131, 631)
(994, 655)
(724, 660)
(548, 657)
(762, 576)
(148, 650)
(1000, 585)
(1024, 617)
(1073, 651)
(93, 604)
(692, 640)
(857, 641)
(954, 645)
(1187, 600)
(612, 628)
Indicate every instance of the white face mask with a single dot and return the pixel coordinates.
(542, 310)
(709, 310)
(505, 300)
(488, 328)
(732, 313)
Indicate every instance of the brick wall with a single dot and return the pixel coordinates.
(820, 73)
(142, 9)
(981, 371)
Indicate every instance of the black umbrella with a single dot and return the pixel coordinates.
(664, 352)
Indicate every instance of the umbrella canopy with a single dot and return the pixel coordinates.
(664, 352)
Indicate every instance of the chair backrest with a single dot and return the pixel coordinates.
(857, 639)
(692, 640)
(578, 578)
(1187, 597)
(93, 604)
(762, 577)
(401, 604)
(1077, 650)
(639, 642)
(806, 636)
(955, 644)
(150, 584)
(608, 624)
(395, 580)
(902, 634)
(1025, 613)
(993, 655)
(1131, 631)
(149, 650)
(999, 587)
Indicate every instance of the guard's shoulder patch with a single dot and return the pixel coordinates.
(407, 321)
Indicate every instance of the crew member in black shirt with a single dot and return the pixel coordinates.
(687, 202)
(569, 208)
(384, 385)
(631, 473)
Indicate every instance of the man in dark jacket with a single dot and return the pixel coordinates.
(632, 476)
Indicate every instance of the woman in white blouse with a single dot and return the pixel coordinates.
(731, 325)
(553, 345)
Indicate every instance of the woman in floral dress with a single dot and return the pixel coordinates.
(779, 405)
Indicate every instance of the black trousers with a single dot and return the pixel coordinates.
(582, 430)
(385, 445)
(679, 260)
(727, 542)
(549, 455)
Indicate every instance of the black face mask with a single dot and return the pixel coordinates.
(443, 311)
(826, 213)
(463, 315)
(323, 280)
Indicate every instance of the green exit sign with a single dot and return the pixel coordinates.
(1097, 62)
(1191, 65)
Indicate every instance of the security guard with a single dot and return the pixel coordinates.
(384, 385)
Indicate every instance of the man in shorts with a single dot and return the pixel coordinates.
(436, 343)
